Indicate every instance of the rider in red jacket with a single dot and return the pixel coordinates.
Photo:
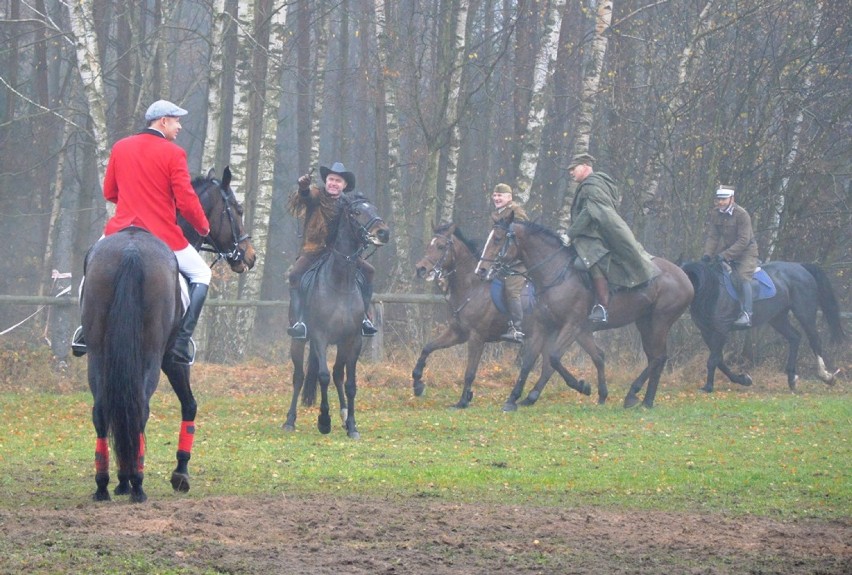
(147, 178)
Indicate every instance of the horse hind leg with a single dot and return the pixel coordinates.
(178, 376)
(337, 377)
(782, 325)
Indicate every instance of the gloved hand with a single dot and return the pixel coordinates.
(305, 182)
(720, 259)
(706, 259)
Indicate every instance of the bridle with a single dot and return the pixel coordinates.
(501, 268)
(233, 253)
(437, 267)
(362, 231)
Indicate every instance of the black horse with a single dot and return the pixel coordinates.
(450, 259)
(131, 311)
(334, 309)
(564, 300)
(800, 289)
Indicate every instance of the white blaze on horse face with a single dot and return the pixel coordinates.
(478, 269)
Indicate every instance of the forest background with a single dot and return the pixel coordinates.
(431, 103)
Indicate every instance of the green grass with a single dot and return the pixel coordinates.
(738, 452)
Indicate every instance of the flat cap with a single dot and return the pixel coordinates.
(162, 108)
(724, 192)
(579, 159)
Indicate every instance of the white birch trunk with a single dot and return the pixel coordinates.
(544, 66)
(214, 88)
(454, 86)
(589, 97)
(321, 53)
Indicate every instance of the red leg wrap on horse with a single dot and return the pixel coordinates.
(101, 455)
(187, 435)
(140, 461)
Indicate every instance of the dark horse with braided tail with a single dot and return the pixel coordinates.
(799, 288)
(450, 259)
(131, 311)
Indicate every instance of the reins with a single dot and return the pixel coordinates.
(235, 253)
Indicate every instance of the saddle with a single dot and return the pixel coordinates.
(762, 286)
(498, 296)
(309, 278)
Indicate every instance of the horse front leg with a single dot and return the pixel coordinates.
(448, 338)
(351, 391)
(557, 350)
(532, 349)
(591, 347)
(324, 378)
(475, 346)
(297, 356)
(337, 377)
(179, 377)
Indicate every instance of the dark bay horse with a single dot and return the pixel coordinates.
(334, 309)
(450, 259)
(800, 289)
(131, 310)
(564, 300)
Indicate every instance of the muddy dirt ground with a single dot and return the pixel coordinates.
(342, 536)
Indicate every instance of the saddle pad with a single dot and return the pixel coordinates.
(766, 287)
(499, 297)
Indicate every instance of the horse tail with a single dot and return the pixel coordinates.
(706, 286)
(123, 382)
(828, 302)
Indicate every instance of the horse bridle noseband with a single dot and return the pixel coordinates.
(363, 231)
(235, 254)
(438, 267)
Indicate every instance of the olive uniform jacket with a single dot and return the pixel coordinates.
(601, 237)
(513, 284)
(731, 236)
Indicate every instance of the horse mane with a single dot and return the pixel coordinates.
(537, 229)
(469, 243)
(705, 280)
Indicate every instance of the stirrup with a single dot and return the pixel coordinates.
(185, 358)
(367, 328)
(298, 330)
(514, 335)
(78, 344)
(744, 321)
(598, 314)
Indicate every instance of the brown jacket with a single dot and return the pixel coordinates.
(731, 236)
(317, 209)
(514, 284)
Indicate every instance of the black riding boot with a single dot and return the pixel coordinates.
(516, 318)
(744, 321)
(298, 330)
(598, 314)
(78, 344)
(367, 327)
(183, 350)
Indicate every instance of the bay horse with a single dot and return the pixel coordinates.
(131, 310)
(800, 288)
(450, 259)
(564, 300)
(333, 310)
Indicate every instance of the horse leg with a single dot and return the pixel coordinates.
(474, 354)
(324, 378)
(351, 390)
(297, 356)
(653, 333)
(448, 338)
(101, 453)
(337, 377)
(557, 350)
(178, 376)
(782, 325)
(808, 323)
(591, 347)
(530, 353)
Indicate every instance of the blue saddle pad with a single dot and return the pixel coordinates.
(499, 298)
(765, 285)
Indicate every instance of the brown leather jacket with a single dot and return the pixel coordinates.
(317, 209)
(731, 236)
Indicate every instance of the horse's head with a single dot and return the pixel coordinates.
(364, 218)
(439, 258)
(227, 238)
(500, 249)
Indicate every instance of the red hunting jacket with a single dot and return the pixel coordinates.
(147, 178)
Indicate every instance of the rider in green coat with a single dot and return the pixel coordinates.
(604, 242)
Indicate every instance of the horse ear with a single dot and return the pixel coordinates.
(226, 177)
(211, 174)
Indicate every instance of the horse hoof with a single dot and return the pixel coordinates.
(324, 424)
(138, 496)
(527, 401)
(354, 434)
(707, 389)
(586, 388)
(289, 427)
(419, 388)
(602, 399)
(510, 406)
(180, 482)
(101, 495)
(747, 380)
(459, 405)
(123, 488)
(630, 401)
